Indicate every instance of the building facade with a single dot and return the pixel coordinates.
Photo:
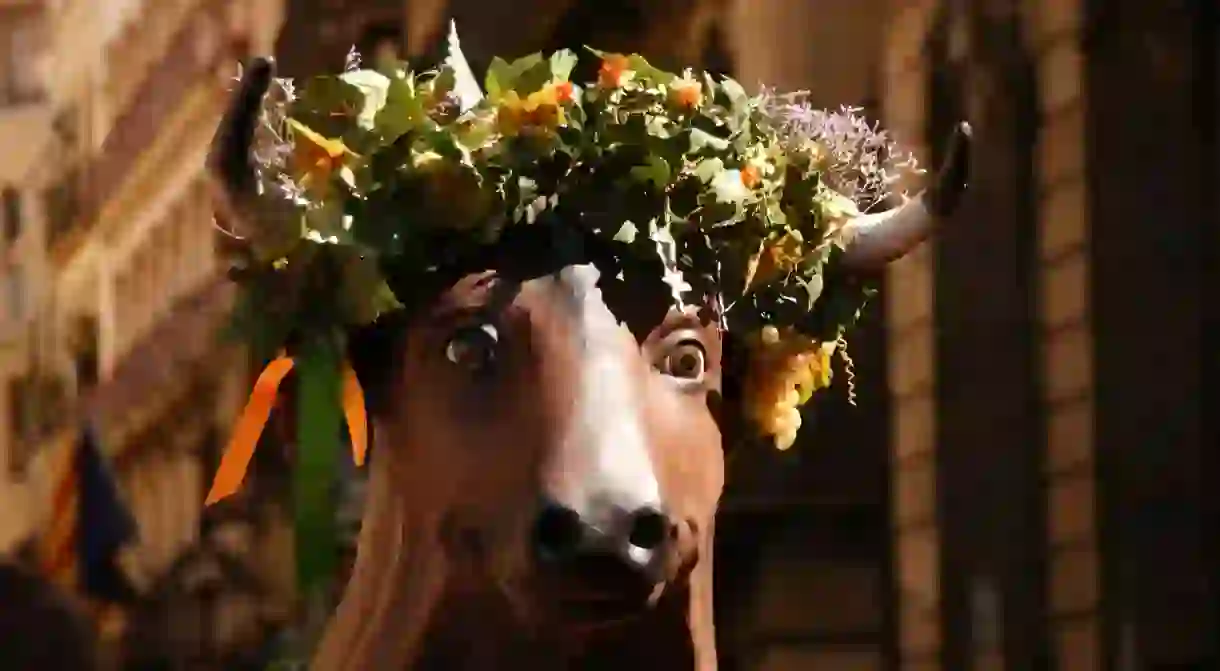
(1048, 509)
(130, 302)
(46, 126)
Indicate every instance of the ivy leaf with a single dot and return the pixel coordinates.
(374, 88)
(656, 172)
(402, 112)
(503, 76)
(444, 82)
(562, 63)
(738, 98)
(836, 206)
(813, 290)
(325, 103)
(752, 267)
(646, 70)
(707, 169)
(626, 233)
(533, 78)
(498, 80)
(701, 139)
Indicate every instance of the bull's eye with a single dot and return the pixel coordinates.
(685, 361)
(473, 347)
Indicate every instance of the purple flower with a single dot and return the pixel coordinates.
(863, 161)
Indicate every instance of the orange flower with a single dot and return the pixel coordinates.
(749, 176)
(614, 67)
(686, 93)
(563, 91)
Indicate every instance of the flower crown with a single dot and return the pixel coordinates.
(371, 179)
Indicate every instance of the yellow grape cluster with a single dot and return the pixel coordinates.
(785, 370)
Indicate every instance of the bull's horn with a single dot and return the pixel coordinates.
(230, 161)
(881, 237)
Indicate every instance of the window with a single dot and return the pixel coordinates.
(14, 292)
(20, 424)
(67, 128)
(21, 39)
(85, 352)
(12, 214)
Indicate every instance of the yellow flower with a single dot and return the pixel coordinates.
(776, 258)
(315, 157)
(540, 111)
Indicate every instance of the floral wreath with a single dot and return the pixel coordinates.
(375, 176)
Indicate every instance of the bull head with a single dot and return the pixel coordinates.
(607, 438)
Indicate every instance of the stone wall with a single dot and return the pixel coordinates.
(912, 357)
(1065, 319)
(1064, 347)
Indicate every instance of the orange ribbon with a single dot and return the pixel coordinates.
(253, 420)
(353, 410)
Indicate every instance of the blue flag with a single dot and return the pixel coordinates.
(91, 524)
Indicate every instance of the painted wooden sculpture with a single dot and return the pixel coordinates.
(564, 303)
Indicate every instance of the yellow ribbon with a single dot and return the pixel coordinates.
(253, 420)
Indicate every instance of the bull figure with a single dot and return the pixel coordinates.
(549, 451)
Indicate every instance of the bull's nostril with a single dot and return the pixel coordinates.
(557, 531)
(649, 529)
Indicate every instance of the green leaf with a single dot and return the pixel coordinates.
(499, 78)
(837, 206)
(707, 170)
(701, 139)
(626, 233)
(375, 88)
(323, 104)
(813, 290)
(519, 76)
(444, 82)
(646, 70)
(737, 95)
(562, 63)
(402, 112)
(532, 78)
(319, 423)
(656, 172)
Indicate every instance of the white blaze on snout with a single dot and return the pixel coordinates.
(606, 440)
